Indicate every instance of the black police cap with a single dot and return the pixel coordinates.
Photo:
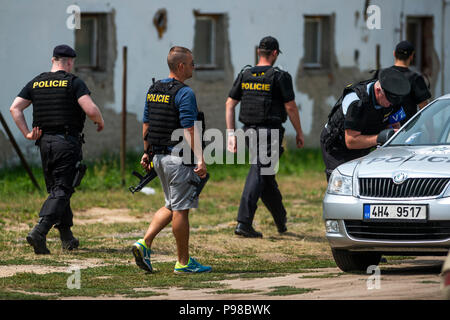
(404, 47)
(64, 50)
(269, 43)
(394, 84)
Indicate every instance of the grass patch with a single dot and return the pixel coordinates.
(323, 276)
(37, 261)
(236, 291)
(212, 240)
(288, 291)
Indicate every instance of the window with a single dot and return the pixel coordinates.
(209, 41)
(312, 41)
(316, 42)
(205, 34)
(419, 31)
(89, 41)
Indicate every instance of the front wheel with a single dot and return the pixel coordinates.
(349, 261)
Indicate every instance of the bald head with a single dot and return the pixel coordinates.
(176, 56)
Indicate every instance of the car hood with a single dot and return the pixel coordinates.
(417, 161)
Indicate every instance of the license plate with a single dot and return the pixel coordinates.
(396, 212)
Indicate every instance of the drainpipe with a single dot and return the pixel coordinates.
(402, 20)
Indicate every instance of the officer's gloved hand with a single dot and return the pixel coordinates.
(384, 136)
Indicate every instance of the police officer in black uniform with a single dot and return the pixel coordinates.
(267, 99)
(61, 102)
(360, 114)
(420, 93)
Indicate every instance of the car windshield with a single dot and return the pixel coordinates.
(430, 127)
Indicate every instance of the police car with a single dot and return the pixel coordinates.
(396, 200)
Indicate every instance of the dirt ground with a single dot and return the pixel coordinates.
(415, 279)
(412, 279)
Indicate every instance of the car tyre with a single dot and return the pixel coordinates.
(355, 261)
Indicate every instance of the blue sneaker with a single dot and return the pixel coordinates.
(142, 255)
(192, 267)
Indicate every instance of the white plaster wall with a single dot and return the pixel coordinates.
(30, 29)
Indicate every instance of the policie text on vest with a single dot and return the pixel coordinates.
(255, 86)
(161, 98)
(50, 84)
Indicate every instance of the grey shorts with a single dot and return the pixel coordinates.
(175, 178)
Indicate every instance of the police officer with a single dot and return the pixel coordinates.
(420, 93)
(61, 102)
(360, 114)
(171, 105)
(267, 98)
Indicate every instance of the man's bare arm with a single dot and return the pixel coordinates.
(423, 104)
(92, 111)
(144, 132)
(294, 117)
(356, 140)
(18, 106)
(193, 137)
(230, 105)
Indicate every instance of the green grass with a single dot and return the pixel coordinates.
(236, 291)
(288, 291)
(104, 173)
(108, 267)
(323, 276)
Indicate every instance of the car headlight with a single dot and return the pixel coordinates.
(447, 191)
(340, 184)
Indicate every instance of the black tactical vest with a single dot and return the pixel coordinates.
(55, 108)
(163, 114)
(258, 104)
(334, 140)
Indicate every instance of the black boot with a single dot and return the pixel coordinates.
(247, 231)
(68, 241)
(281, 226)
(37, 239)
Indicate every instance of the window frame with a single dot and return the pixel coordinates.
(94, 50)
(213, 65)
(319, 20)
(417, 22)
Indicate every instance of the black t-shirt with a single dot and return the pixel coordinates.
(79, 89)
(419, 91)
(282, 88)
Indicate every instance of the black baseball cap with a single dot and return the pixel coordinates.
(394, 84)
(404, 47)
(64, 50)
(269, 43)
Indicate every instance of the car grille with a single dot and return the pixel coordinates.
(411, 188)
(431, 230)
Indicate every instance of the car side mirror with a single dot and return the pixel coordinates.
(384, 136)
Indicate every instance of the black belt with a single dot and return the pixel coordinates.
(165, 150)
(76, 135)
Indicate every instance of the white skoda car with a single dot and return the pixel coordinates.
(396, 200)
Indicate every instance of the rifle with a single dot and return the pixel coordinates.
(143, 179)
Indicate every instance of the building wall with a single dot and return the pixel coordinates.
(30, 30)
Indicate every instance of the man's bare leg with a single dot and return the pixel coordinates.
(180, 229)
(160, 220)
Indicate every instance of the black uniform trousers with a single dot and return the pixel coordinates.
(262, 186)
(59, 154)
